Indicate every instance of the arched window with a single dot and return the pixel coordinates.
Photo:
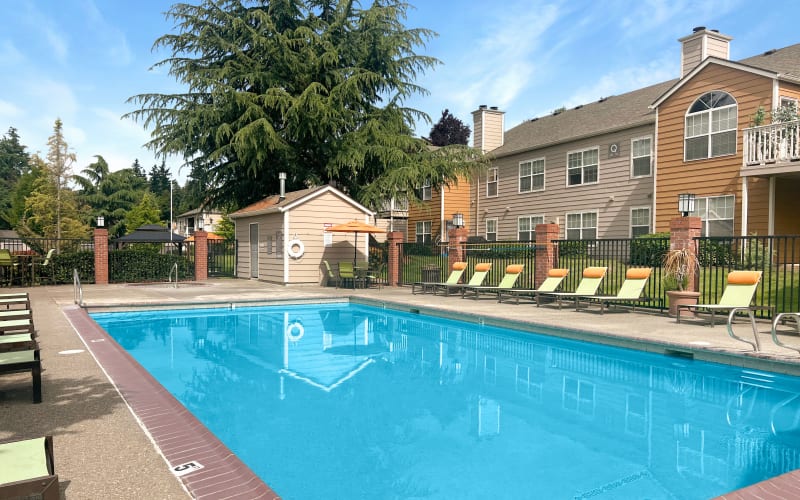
(711, 126)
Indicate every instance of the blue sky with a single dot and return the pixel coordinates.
(80, 60)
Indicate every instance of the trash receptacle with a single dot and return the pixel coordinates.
(431, 273)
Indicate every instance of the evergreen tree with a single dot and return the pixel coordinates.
(145, 212)
(138, 169)
(449, 130)
(58, 168)
(13, 164)
(314, 89)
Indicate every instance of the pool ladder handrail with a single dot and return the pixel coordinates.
(776, 320)
(77, 288)
(174, 268)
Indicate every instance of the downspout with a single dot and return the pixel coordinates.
(655, 171)
(745, 203)
(442, 229)
(283, 248)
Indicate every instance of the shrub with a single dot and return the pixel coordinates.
(649, 249)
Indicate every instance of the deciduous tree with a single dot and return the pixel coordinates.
(449, 130)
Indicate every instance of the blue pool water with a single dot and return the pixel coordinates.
(348, 401)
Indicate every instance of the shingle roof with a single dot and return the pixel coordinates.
(785, 61)
(624, 110)
(615, 112)
(274, 203)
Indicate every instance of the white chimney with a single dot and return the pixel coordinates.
(282, 178)
(488, 124)
(703, 43)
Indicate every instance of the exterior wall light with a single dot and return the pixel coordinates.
(686, 203)
(458, 219)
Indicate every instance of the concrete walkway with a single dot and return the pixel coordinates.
(102, 452)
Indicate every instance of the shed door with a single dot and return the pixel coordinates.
(254, 250)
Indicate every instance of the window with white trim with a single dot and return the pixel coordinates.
(582, 167)
(641, 157)
(788, 102)
(531, 175)
(424, 232)
(426, 191)
(491, 229)
(711, 126)
(640, 221)
(582, 226)
(716, 213)
(491, 182)
(526, 227)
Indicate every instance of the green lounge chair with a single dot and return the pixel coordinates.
(17, 342)
(455, 275)
(592, 277)
(27, 469)
(507, 283)
(21, 361)
(554, 279)
(478, 277)
(16, 326)
(738, 294)
(630, 292)
(15, 314)
(347, 273)
(15, 303)
(330, 276)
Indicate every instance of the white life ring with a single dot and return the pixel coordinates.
(295, 248)
(293, 327)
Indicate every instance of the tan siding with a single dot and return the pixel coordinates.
(719, 175)
(557, 199)
(456, 198)
(692, 54)
(717, 48)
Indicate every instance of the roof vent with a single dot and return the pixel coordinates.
(534, 119)
(494, 108)
(579, 106)
(698, 29)
(282, 178)
(482, 106)
(770, 52)
(603, 99)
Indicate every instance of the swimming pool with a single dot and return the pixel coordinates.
(349, 401)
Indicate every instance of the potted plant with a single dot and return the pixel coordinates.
(679, 266)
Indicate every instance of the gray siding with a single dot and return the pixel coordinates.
(612, 197)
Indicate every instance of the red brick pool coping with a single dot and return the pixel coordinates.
(181, 438)
(176, 433)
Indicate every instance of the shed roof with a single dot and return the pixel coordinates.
(274, 203)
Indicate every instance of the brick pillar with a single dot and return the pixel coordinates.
(394, 238)
(682, 232)
(200, 255)
(545, 250)
(101, 256)
(456, 247)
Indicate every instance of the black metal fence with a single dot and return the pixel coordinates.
(777, 257)
(221, 258)
(151, 262)
(32, 266)
(430, 262)
(617, 255)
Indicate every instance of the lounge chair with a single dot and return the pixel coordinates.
(455, 275)
(16, 326)
(21, 361)
(554, 279)
(477, 279)
(629, 293)
(17, 342)
(507, 283)
(27, 469)
(15, 303)
(15, 314)
(738, 294)
(592, 277)
(347, 272)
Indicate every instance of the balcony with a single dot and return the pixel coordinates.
(772, 149)
(394, 208)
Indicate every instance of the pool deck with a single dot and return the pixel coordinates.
(102, 449)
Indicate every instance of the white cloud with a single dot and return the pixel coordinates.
(113, 39)
(54, 98)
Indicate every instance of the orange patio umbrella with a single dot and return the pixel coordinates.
(356, 227)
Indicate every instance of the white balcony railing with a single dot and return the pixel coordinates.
(771, 144)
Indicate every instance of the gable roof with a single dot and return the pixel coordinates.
(273, 204)
(634, 108)
(783, 64)
(617, 112)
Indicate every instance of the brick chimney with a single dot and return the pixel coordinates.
(701, 44)
(487, 128)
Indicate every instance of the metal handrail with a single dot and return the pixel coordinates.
(174, 268)
(77, 288)
(775, 323)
